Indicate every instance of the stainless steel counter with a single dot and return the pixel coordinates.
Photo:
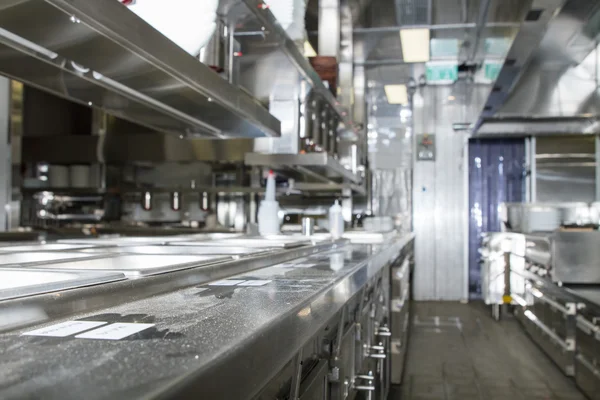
(223, 340)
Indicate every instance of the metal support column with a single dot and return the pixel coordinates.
(597, 168)
(5, 155)
(507, 297)
(532, 171)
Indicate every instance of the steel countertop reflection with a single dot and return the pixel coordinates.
(201, 333)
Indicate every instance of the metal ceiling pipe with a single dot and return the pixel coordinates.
(484, 10)
(346, 64)
(437, 27)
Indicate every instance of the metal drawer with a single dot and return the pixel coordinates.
(587, 378)
(562, 352)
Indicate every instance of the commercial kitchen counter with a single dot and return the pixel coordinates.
(555, 289)
(299, 321)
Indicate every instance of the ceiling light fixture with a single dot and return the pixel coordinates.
(415, 45)
(396, 94)
(309, 51)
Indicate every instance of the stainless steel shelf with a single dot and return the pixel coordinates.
(101, 54)
(318, 166)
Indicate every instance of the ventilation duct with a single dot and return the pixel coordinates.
(290, 14)
(188, 23)
(413, 12)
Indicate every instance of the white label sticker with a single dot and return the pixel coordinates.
(254, 283)
(65, 329)
(228, 282)
(116, 331)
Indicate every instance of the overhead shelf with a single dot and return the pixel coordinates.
(318, 167)
(263, 31)
(101, 54)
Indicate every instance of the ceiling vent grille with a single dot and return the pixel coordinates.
(413, 12)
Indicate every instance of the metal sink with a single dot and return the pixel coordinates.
(19, 282)
(137, 266)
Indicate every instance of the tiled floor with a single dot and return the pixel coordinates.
(457, 352)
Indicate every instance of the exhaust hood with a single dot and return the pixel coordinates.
(556, 89)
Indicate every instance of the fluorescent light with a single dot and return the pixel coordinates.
(415, 45)
(396, 94)
(309, 51)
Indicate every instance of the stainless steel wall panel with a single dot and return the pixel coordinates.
(424, 215)
(439, 191)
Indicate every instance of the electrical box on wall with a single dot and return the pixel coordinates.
(425, 147)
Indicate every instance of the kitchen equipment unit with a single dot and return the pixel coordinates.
(532, 217)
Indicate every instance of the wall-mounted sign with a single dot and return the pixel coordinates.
(489, 71)
(497, 46)
(441, 72)
(444, 48)
(425, 147)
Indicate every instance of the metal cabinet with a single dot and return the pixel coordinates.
(587, 366)
(550, 319)
(401, 295)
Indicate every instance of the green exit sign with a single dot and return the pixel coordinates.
(491, 70)
(441, 72)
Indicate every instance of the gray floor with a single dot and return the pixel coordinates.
(457, 351)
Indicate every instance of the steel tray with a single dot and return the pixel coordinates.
(266, 242)
(125, 240)
(176, 249)
(41, 257)
(19, 282)
(41, 247)
(137, 266)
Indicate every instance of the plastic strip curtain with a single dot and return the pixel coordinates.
(392, 196)
(496, 175)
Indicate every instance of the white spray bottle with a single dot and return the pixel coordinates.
(268, 212)
(336, 221)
